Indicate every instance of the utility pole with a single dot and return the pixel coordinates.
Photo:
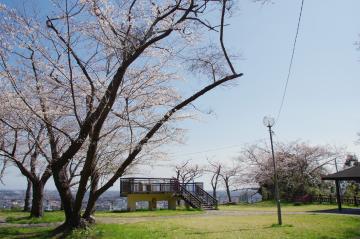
(269, 122)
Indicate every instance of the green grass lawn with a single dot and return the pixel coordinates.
(255, 226)
(322, 226)
(24, 218)
(19, 217)
(14, 213)
(286, 207)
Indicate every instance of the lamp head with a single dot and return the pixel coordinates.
(268, 121)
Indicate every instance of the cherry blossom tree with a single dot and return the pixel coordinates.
(300, 166)
(186, 172)
(214, 168)
(23, 145)
(106, 79)
(230, 175)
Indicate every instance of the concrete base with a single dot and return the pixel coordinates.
(172, 204)
(152, 199)
(152, 204)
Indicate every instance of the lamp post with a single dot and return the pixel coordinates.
(269, 122)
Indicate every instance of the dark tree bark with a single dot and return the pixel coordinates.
(63, 187)
(216, 169)
(89, 171)
(227, 186)
(37, 209)
(27, 196)
(214, 187)
(90, 208)
(214, 193)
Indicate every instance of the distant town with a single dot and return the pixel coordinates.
(110, 200)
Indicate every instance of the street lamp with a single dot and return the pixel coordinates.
(269, 122)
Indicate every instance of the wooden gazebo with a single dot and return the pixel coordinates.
(350, 174)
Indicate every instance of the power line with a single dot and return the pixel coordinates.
(291, 62)
(204, 151)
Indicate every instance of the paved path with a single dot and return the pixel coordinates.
(207, 214)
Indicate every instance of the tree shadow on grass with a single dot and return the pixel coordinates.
(239, 229)
(19, 220)
(29, 233)
(344, 211)
(218, 231)
(32, 232)
(45, 221)
(279, 226)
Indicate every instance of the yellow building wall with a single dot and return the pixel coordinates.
(152, 198)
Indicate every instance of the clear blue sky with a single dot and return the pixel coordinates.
(322, 100)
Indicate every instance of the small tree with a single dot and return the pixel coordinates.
(214, 168)
(24, 145)
(185, 173)
(23, 148)
(230, 176)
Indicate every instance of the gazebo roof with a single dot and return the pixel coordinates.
(352, 173)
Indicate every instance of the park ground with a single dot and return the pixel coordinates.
(235, 221)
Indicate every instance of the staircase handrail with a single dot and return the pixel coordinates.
(179, 188)
(208, 196)
(185, 192)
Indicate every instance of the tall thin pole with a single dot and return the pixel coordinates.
(277, 194)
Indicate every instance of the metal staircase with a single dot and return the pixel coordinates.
(198, 198)
(208, 201)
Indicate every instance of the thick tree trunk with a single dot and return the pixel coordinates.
(88, 172)
(27, 196)
(63, 187)
(37, 209)
(90, 207)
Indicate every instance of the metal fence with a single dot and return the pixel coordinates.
(332, 199)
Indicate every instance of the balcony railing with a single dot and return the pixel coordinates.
(154, 185)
